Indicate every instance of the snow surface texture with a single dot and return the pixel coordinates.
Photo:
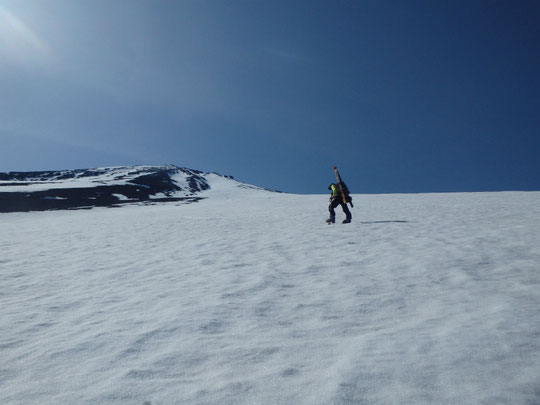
(248, 297)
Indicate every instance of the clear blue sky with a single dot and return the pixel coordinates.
(403, 96)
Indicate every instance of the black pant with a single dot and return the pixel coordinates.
(334, 203)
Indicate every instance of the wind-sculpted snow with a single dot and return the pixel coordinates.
(105, 187)
(248, 297)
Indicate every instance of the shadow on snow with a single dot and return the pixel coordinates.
(386, 222)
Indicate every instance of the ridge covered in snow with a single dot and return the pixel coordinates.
(103, 187)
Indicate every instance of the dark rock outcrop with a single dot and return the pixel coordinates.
(107, 187)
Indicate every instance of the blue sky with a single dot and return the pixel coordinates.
(403, 96)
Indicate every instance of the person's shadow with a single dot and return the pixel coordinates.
(385, 222)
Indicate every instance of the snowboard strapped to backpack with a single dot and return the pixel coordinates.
(343, 189)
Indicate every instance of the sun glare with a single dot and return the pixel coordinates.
(18, 42)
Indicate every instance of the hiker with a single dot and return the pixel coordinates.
(337, 199)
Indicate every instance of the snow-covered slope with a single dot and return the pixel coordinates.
(102, 187)
(248, 297)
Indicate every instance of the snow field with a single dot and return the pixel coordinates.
(249, 297)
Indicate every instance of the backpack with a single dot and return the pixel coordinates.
(345, 189)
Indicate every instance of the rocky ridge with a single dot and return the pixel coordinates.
(100, 187)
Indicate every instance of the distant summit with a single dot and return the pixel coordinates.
(102, 187)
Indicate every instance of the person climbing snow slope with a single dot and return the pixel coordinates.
(337, 199)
